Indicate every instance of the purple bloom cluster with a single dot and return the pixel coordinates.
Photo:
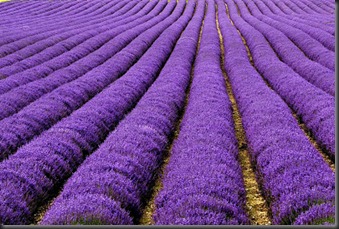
(123, 167)
(92, 94)
(308, 7)
(42, 51)
(283, 10)
(290, 7)
(318, 214)
(312, 29)
(15, 41)
(13, 17)
(100, 48)
(43, 113)
(311, 47)
(24, 48)
(312, 71)
(45, 163)
(293, 176)
(73, 71)
(203, 183)
(315, 107)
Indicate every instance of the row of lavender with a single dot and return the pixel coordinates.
(203, 181)
(287, 165)
(61, 92)
(292, 53)
(33, 173)
(314, 107)
(190, 215)
(123, 167)
(80, 39)
(116, 97)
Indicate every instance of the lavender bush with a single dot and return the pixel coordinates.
(203, 183)
(118, 112)
(62, 101)
(293, 175)
(43, 169)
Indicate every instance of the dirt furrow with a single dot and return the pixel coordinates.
(255, 203)
(147, 216)
(302, 126)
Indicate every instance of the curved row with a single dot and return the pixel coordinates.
(41, 51)
(301, 8)
(21, 96)
(302, 14)
(203, 183)
(311, 7)
(92, 93)
(314, 106)
(45, 163)
(63, 55)
(19, 128)
(312, 71)
(293, 175)
(312, 48)
(319, 214)
(300, 11)
(325, 39)
(19, 41)
(43, 7)
(39, 25)
(29, 46)
(121, 169)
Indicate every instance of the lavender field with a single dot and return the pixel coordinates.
(157, 112)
